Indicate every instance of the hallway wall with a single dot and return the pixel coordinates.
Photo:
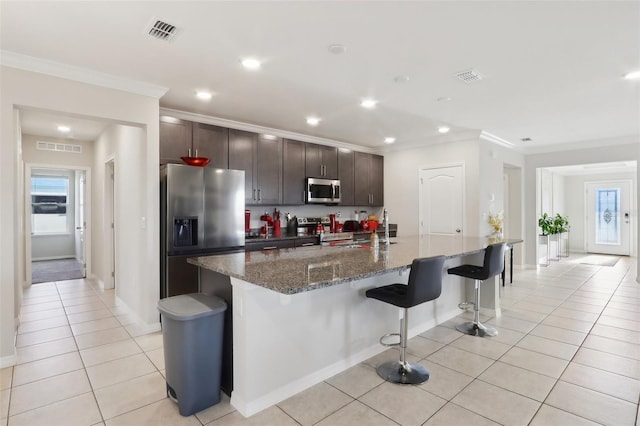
(26, 89)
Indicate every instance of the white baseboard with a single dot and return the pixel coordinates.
(9, 360)
(36, 259)
(139, 325)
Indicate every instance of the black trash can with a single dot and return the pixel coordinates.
(192, 331)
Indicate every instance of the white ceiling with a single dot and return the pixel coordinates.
(44, 123)
(553, 69)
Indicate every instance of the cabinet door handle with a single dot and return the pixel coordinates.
(269, 248)
(259, 196)
(308, 244)
(254, 194)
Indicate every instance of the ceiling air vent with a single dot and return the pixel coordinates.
(161, 30)
(60, 147)
(469, 76)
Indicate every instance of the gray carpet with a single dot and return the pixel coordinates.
(600, 260)
(45, 271)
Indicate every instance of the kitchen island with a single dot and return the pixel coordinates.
(300, 316)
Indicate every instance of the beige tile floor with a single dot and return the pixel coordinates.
(568, 353)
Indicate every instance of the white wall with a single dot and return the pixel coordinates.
(20, 88)
(484, 164)
(492, 161)
(56, 158)
(575, 205)
(401, 189)
(558, 196)
(125, 145)
(545, 185)
(623, 152)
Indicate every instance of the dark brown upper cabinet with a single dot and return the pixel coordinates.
(180, 138)
(211, 142)
(346, 174)
(293, 172)
(261, 159)
(369, 179)
(321, 161)
(175, 139)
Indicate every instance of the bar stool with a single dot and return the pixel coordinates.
(425, 284)
(493, 265)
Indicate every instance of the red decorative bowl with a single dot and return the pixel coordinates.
(196, 161)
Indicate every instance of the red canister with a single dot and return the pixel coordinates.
(247, 220)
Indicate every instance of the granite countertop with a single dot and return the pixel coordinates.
(291, 271)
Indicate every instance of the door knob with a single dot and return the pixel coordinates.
(458, 230)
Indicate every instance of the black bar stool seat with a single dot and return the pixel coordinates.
(424, 285)
(493, 265)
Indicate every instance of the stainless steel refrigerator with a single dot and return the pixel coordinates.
(201, 212)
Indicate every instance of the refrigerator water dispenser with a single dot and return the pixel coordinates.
(185, 231)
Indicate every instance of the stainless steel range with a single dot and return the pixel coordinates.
(313, 225)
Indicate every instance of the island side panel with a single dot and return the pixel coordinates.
(284, 344)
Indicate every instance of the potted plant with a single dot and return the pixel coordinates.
(545, 222)
(496, 222)
(560, 224)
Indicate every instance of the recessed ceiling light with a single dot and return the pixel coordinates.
(389, 139)
(634, 75)
(368, 103)
(443, 129)
(337, 49)
(251, 64)
(204, 95)
(401, 79)
(443, 99)
(64, 129)
(313, 121)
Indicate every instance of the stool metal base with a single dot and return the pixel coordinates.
(403, 373)
(478, 329)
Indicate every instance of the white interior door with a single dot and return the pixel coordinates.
(608, 221)
(80, 219)
(442, 200)
(109, 226)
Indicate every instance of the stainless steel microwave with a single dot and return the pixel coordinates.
(322, 191)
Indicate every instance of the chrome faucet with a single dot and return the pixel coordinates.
(385, 219)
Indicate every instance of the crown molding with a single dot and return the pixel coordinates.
(452, 137)
(585, 144)
(83, 75)
(223, 122)
(497, 140)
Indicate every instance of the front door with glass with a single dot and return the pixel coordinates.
(608, 212)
